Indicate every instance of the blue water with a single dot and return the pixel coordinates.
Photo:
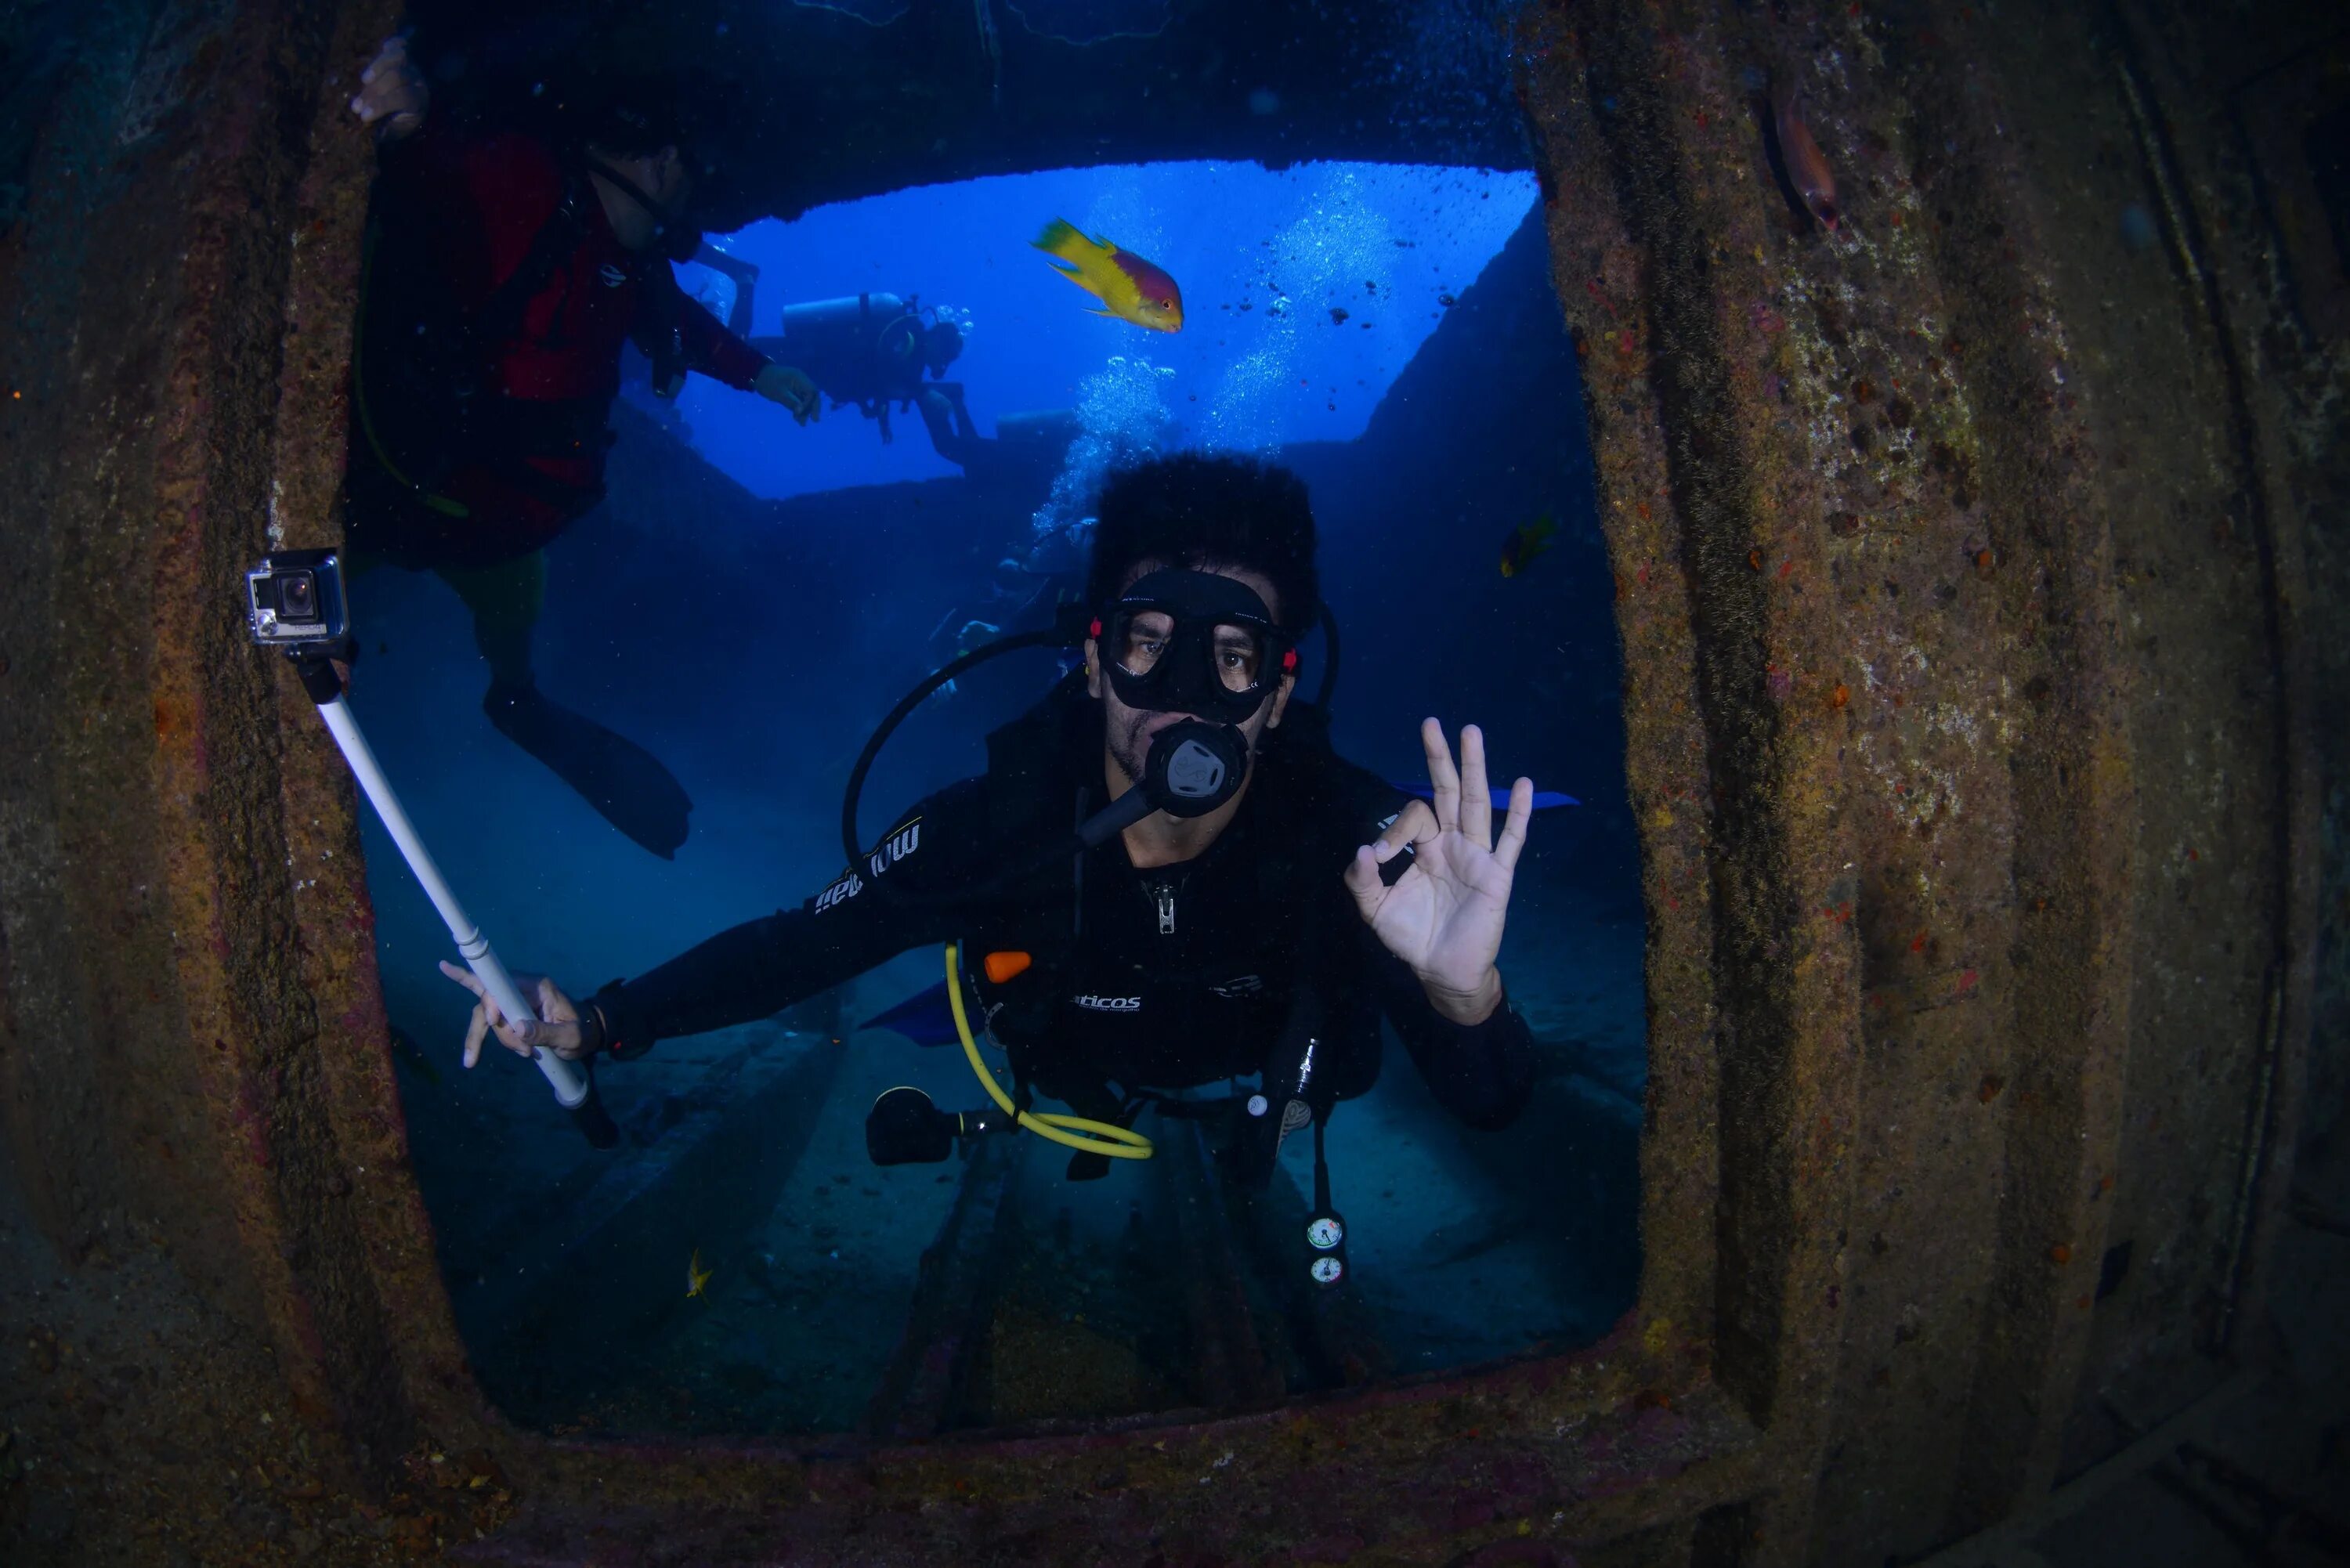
(754, 595)
(1385, 244)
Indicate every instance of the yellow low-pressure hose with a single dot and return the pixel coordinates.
(1118, 1142)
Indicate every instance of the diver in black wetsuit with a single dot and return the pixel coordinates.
(871, 350)
(1267, 936)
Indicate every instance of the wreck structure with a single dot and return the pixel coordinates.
(1979, 566)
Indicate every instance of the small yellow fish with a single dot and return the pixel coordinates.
(1133, 289)
(696, 1276)
(1526, 541)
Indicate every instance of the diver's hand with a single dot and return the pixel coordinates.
(393, 91)
(556, 1027)
(782, 384)
(1444, 916)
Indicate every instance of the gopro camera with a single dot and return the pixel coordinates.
(294, 600)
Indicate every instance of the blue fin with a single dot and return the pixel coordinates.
(925, 1018)
(1544, 799)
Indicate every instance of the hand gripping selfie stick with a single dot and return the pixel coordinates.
(575, 1090)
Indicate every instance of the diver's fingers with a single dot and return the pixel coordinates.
(463, 977)
(1440, 776)
(1476, 797)
(1363, 881)
(1415, 823)
(478, 1026)
(1514, 826)
(553, 1005)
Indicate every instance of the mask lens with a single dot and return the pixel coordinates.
(1142, 639)
(1240, 657)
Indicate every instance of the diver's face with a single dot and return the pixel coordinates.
(1129, 732)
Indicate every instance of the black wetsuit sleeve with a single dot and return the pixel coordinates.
(764, 965)
(1482, 1073)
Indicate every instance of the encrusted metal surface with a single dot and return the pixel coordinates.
(1978, 727)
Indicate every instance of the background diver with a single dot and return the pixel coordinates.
(868, 351)
(505, 268)
(1261, 938)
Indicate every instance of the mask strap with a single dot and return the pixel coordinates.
(662, 221)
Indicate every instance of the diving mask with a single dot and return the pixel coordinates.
(1181, 641)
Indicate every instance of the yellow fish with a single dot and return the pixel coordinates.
(1133, 289)
(1525, 542)
(696, 1276)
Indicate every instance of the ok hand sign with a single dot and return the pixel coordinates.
(1444, 917)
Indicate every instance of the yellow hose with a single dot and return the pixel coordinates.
(1118, 1142)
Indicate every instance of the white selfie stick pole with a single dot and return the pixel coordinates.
(315, 626)
(570, 1084)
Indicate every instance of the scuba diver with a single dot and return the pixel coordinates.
(505, 268)
(1260, 928)
(871, 350)
(1239, 901)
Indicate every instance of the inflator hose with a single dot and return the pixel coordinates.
(1118, 1142)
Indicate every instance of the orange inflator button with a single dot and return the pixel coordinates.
(1002, 967)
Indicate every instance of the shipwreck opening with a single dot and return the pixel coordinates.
(752, 595)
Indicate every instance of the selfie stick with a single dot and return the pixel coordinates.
(575, 1091)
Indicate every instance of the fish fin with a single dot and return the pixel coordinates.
(1085, 281)
(1061, 239)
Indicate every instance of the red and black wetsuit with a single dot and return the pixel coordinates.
(486, 372)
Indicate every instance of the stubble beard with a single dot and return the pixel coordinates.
(1129, 747)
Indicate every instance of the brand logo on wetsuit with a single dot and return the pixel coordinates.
(1109, 1003)
(900, 845)
(613, 276)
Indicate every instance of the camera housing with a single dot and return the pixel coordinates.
(293, 599)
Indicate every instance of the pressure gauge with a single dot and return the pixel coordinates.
(1328, 1270)
(1325, 1231)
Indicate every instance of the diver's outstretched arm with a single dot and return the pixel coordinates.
(763, 966)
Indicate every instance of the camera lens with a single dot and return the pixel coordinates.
(298, 596)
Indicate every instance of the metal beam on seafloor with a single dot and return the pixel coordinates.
(716, 1176)
(928, 1376)
(1230, 1366)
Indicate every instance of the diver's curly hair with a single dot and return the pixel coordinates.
(1195, 510)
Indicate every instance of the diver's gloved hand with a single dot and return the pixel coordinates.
(556, 1028)
(782, 384)
(1444, 916)
(393, 94)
